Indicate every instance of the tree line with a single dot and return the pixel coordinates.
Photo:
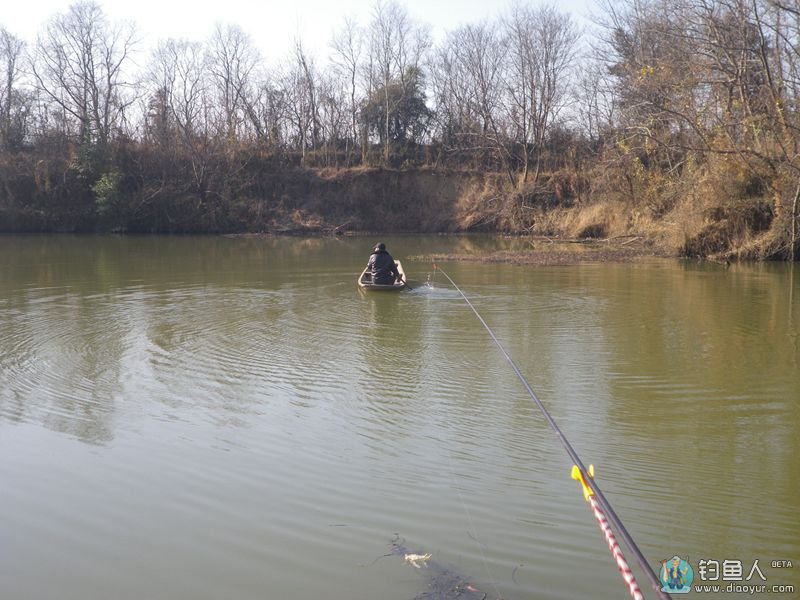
(657, 100)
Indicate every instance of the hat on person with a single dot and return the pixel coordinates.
(380, 246)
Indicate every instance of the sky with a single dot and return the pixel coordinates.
(272, 25)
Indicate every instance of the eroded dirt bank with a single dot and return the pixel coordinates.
(272, 199)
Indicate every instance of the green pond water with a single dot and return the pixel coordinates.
(209, 417)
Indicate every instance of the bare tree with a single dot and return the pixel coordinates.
(162, 79)
(270, 108)
(397, 48)
(11, 48)
(783, 21)
(596, 105)
(183, 96)
(334, 119)
(300, 82)
(468, 83)
(347, 47)
(541, 44)
(309, 76)
(231, 62)
(78, 64)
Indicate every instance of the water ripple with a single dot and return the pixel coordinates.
(226, 422)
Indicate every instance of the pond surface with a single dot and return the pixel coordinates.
(209, 417)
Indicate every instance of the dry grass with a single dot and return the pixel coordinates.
(601, 220)
(479, 204)
(717, 210)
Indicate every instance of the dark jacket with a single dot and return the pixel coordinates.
(381, 265)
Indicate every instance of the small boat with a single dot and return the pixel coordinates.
(365, 281)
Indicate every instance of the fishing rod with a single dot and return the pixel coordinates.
(584, 475)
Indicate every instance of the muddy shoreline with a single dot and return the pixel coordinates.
(542, 251)
(550, 252)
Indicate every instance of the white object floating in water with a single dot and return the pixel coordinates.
(414, 559)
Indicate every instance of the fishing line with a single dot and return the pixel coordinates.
(586, 477)
(471, 524)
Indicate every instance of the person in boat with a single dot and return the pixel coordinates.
(382, 266)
